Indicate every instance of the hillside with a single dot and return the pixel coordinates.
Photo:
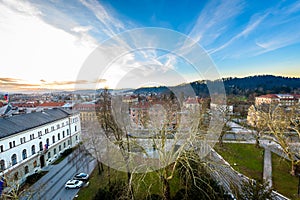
(246, 86)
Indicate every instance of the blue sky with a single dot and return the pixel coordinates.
(46, 43)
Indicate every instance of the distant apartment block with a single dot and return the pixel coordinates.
(87, 111)
(29, 142)
(268, 99)
(281, 99)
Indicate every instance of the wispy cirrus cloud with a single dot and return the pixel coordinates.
(268, 30)
(215, 19)
(255, 21)
(111, 25)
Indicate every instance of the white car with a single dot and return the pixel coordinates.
(73, 184)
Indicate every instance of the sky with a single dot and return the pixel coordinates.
(60, 44)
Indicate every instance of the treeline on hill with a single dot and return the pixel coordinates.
(247, 86)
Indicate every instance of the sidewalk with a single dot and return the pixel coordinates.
(267, 173)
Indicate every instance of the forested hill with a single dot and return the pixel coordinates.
(263, 84)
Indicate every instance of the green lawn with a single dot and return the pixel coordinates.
(249, 161)
(99, 181)
(151, 184)
(248, 158)
(283, 182)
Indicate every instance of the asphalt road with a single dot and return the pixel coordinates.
(51, 185)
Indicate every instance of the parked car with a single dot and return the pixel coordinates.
(81, 176)
(70, 184)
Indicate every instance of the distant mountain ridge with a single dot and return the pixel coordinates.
(261, 84)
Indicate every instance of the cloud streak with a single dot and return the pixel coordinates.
(215, 19)
(252, 25)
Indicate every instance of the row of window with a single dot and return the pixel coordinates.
(14, 160)
(23, 139)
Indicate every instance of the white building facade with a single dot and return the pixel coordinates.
(29, 142)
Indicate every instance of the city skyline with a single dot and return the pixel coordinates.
(45, 44)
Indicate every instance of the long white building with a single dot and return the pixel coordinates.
(29, 142)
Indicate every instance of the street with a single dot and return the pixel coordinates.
(51, 185)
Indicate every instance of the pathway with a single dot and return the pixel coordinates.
(267, 173)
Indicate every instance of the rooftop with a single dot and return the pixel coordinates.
(15, 124)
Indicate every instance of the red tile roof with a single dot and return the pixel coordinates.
(26, 104)
(52, 104)
(268, 96)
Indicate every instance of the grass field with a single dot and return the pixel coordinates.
(283, 182)
(150, 183)
(247, 158)
(249, 161)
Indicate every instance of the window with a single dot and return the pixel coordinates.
(58, 136)
(68, 142)
(22, 140)
(46, 130)
(63, 134)
(75, 128)
(59, 148)
(1, 148)
(67, 131)
(41, 146)
(76, 137)
(14, 159)
(47, 142)
(24, 154)
(64, 145)
(32, 149)
(2, 165)
(53, 139)
(31, 136)
(49, 154)
(12, 144)
(54, 151)
(58, 126)
(39, 133)
(52, 128)
(26, 169)
(63, 124)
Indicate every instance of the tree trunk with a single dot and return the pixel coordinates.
(257, 142)
(131, 192)
(108, 175)
(166, 189)
(99, 167)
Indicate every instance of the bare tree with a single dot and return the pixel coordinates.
(258, 121)
(113, 117)
(279, 124)
(225, 117)
(251, 189)
(176, 151)
(92, 141)
(172, 133)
